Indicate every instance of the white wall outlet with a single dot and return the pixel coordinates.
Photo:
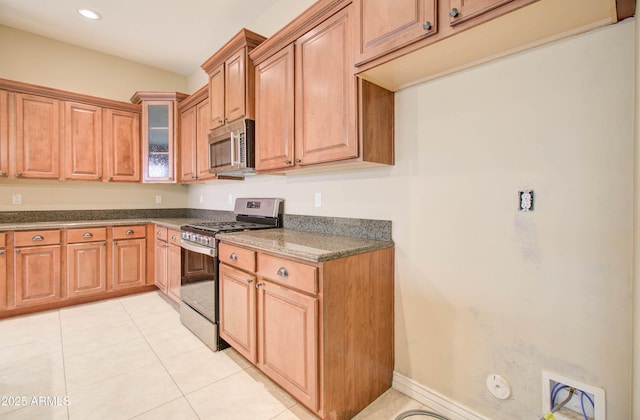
(318, 199)
(558, 386)
(158, 199)
(201, 198)
(16, 198)
(498, 386)
(525, 200)
(230, 199)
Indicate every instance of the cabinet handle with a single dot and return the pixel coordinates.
(427, 26)
(173, 237)
(454, 12)
(17, 251)
(233, 257)
(258, 285)
(287, 162)
(100, 177)
(159, 233)
(3, 173)
(129, 232)
(110, 178)
(283, 272)
(38, 238)
(298, 161)
(1, 251)
(19, 173)
(249, 281)
(87, 235)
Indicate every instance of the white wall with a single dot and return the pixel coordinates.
(480, 287)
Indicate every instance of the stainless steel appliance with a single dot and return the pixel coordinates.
(232, 149)
(199, 308)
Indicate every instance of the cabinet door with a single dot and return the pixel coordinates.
(288, 340)
(188, 140)
(202, 140)
(383, 26)
(275, 111)
(160, 268)
(83, 141)
(235, 86)
(37, 137)
(463, 10)
(158, 141)
(86, 269)
(4, 133)
(3, 278)
(216, 97)
(128, 263)
(173, 272)
(121, 145)
(37, 275)
(326, 92)
(238, 311)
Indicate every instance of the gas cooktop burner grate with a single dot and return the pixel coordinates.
(227, 226)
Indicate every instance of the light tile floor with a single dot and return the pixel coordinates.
(131, 358)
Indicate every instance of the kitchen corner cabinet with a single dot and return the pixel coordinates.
(128, 257)
(37, 263)
(159, 134)
(194, 142)
(83, 141)
(310, 107)
(166, 273)
(231, 79)
(322, 331)
(86, 261)
(37, 137)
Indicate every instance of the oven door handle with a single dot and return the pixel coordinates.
(212, 252)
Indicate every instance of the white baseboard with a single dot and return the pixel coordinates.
(433, 399)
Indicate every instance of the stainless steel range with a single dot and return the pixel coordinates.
(199, 281)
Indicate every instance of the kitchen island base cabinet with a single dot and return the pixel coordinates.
(324, 331)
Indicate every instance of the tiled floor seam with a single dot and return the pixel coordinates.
(64, 365)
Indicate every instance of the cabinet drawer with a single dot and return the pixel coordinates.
(128, 232)
(37, 237)
(86, 235)
(290, 273)
(174, 236)
(161, 233)
(3, 239)
(237, 257)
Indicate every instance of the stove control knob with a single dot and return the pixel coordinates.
(206, 240)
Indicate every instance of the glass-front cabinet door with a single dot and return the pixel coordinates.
(159, 134)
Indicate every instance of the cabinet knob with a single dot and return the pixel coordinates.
(159, 233)
(129, 232)
(298, 161)
(193, 177)
(17, 251)
(427, 26)
(287, 162)
(249, 281)
(19, 174)
(110, 178)
(87, 235)
(38, 238)
(258, 285)
(282, 272)
(173, 237)
(1, 251)
(454, 12)
(3, 173)
(233, 257)
(100, 177)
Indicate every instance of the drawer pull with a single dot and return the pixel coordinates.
(129, 232)
(87, 235)
(283, 272)
(173, 238)
(38, 238)
(233, 257)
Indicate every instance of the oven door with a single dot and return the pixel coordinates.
(199, 279)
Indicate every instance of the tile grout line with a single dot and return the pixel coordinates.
(64, 364)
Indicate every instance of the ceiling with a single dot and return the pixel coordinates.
(174, 35)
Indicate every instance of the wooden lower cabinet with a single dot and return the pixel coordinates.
(174, 271)
(167, 267)
(37, 275)
(322, 331)
(160, 265)
(129, 263)
(86, 269)
(3, 278)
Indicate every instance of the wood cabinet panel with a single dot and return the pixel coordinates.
(202, 140)
(236, 256)
(121, 140)
(173, 271)
(129, 232)
(188, 145)
(161, 233)
(289, 273)
(326, 100)
(287, 340)
(383, 26)
(463, 10)
(86, 269)
(3, 239)
(235, 86)
(37, 137)
(86, 235)
(36, 238)
(160, 265)
(238, 311)
(275, 111)
(129, 263)
(3, 271)
(83, 141)
(37, 275)
(4, 133)
(216, 97)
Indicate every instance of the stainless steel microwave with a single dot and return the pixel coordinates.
(232, 149)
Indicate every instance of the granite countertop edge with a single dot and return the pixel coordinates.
(287, 246)
(172, 223)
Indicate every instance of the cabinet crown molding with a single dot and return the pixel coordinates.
(244, 38)
(140, 96)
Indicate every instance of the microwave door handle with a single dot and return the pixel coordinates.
(233, 149)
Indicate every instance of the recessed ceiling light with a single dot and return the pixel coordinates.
(89, 14)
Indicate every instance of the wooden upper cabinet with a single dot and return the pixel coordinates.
(275, 111)
(383, 26)
(202, 141)
(216, 96)
(326, 103)
(121, 145)
(231, 73)
(188, 139)
(37, 137)
(194, 142)
(4, 133)
(463, 10)
(83, 141)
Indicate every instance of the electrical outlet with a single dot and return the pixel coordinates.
(16, 198)
(201, 198)
(558, 384)
(158, 199)
(230, 199)
(525, 200)
(318, 199)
